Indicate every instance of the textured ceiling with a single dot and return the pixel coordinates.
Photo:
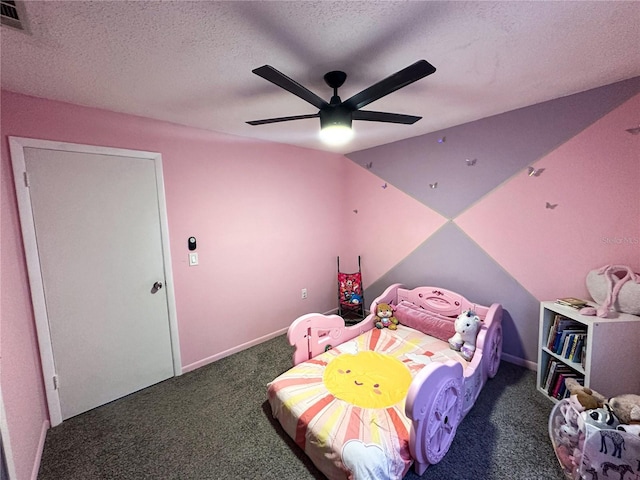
(190, 62)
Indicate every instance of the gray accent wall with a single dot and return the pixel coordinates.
(503, 146)
(451, 260)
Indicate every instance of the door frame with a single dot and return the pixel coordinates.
(17, 146)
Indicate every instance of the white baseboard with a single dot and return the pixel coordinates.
(244, 346)
(520, 361)
(231, 351)
(205, 361)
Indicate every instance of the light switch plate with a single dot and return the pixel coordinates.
(193, 259)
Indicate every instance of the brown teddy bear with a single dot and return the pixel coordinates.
(385, 318)
(589, 399)
(627, 408)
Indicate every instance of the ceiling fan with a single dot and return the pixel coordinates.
(336, 115)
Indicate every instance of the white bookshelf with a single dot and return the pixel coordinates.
(612, 356)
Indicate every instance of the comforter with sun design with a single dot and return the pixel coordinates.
(345, 407)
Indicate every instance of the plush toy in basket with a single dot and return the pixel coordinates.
(586, 398)
(594, 442)
(627, 409)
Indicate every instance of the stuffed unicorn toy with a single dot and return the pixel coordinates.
(467, 326)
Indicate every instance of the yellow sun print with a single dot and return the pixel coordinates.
(367, 379)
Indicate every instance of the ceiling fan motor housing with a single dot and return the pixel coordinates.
(337, 115)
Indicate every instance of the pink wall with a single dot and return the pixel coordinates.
(501, 243)
(20, 372)
(594, 180)
(267, 218)
(270, 220)
(389, 224)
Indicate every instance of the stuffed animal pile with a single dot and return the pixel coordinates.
(574, 420)
(625, 409)
(568, 439)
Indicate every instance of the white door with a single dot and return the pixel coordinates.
(97, 220)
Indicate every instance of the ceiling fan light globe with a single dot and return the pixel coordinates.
(336, 134)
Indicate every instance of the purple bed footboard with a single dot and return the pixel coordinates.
(314, 333)
(441, 394)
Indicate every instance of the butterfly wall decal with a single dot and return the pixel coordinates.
(442, 139)
(384, 186)
(355, 211)
(551, 206)
(535, 172)
(471, 162)
(368, 165)
(433, 185)
(634, 131)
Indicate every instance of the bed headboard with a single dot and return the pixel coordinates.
(439, 300)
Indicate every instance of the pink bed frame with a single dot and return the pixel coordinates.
(441, 394)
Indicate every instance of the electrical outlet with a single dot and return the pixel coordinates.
(304, 293)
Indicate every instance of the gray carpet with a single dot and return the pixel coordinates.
(215, 423)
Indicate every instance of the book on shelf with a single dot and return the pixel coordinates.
(562, 336)
(557, 380)
(575, 354)
(549, 374)
(557, 384)
(552, 332)
(553, 381)
(572, 302)
(569, 343)
(561, 389)
(559, 330)
(569, 337)
(551, 365)
(556, 367)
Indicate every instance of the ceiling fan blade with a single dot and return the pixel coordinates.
(400, 79)
(384, 117)
(280, 79)
(283, 119)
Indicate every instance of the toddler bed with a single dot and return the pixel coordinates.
(367, 403)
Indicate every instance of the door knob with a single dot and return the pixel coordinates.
(156, 286)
